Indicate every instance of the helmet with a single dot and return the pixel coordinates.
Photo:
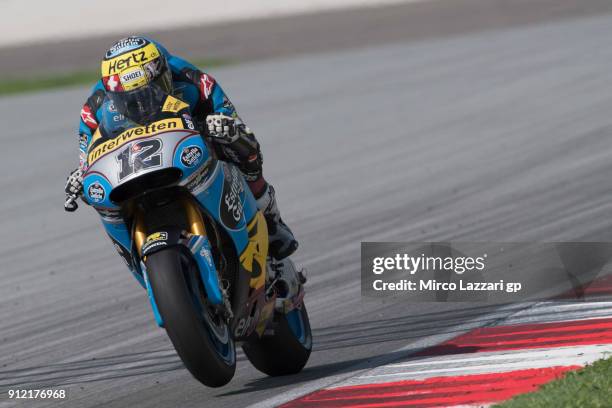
(136, 75)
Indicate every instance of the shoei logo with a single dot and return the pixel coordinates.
(133, 78)
(132, 75)
(135, 58)
(127, 44)
(132, 134)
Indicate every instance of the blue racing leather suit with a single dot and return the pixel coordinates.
(204, 97)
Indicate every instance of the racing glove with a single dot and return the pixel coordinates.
(73, 189)
(222, 128)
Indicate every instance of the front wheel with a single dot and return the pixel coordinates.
(287, 350)
(201, 339)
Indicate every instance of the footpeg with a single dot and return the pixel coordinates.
(303, 275)
(287, 282)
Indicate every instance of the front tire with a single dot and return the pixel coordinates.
(204, 344)
(287, 351)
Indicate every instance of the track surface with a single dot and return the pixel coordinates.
(492, 136)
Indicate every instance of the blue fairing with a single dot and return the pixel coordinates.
(218, 187)
(211, 193)
(212, 200)
(198, 155)
(96, 191)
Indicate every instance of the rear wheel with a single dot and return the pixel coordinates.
(201, 338)
(287, 350)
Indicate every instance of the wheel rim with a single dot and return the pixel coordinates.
(218, 332)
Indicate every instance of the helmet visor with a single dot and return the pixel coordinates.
(140, 105)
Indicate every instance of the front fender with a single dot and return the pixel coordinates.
(200, 248)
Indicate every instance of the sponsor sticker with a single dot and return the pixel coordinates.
(133, 134)
(173, 105)
(96, 192)
(231, 210)
(88, 117)
(199, 177)
(83, 142)
(133, 78)
(82, 160)
(126, 60)
(154, 240)
(206, 85)
(205, 252)
(157, 236)
(127, 44)
(191, 156)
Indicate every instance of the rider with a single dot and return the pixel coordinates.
(133, 66)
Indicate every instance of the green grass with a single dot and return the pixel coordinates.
(590, 387)
(16, 85)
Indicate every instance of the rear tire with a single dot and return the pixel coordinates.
(287, 351)
(206, 349)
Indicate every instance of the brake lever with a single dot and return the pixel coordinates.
(70, 204)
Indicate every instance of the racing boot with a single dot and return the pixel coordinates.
(282, 242)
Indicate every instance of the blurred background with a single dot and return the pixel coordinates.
(379, 121)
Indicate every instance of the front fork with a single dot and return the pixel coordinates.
(252, 309)
(196, 240)
(194, 220)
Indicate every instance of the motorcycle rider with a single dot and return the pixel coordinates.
(134, 66)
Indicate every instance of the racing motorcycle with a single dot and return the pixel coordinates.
(199, 246)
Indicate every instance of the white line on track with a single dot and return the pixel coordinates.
(497, 363)
(327, 382)
(505, 360)
(561, 311)
(516, 355)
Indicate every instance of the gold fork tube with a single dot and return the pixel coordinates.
(194, 218)
(139, 232)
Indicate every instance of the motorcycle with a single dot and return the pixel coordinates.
(199, 246)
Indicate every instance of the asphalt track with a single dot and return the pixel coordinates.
(502, 135)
